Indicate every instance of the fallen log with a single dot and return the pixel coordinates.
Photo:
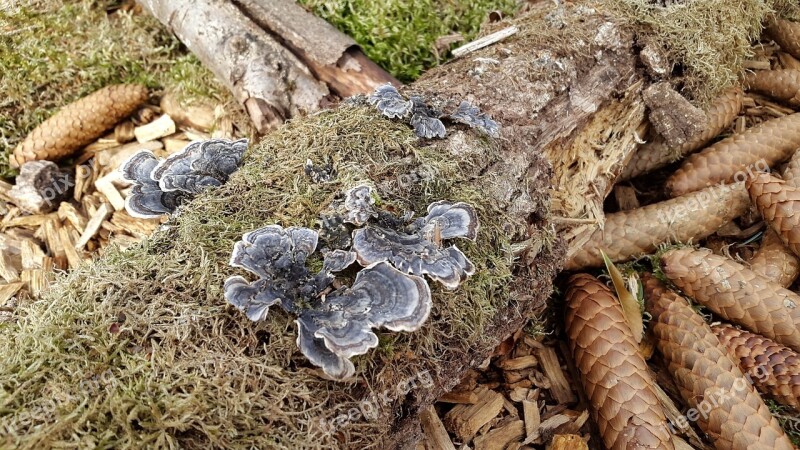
(142, 348)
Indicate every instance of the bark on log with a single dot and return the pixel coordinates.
(584, 93)
(278, 60)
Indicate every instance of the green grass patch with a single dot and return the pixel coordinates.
(400, 35)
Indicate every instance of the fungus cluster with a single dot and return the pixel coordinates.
(389, 291)
(160, 186)
(427, 121)
(333, 324)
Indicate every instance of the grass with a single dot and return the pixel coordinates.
(53, 52)
(140, 348)
(400, 35)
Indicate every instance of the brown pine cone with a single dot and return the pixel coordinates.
(774, 369)
(691, 217)
(739, 156)
(725, 404)
(736, 293)
(79, 123)
(786, 34)
(780, 84)
(779, 205)
(774, 261)
(656, 154)
(613, 372)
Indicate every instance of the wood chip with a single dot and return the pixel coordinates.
(559, 386)
(36, 280)
(462, 397)
(547, 428)
(500, 437)
(114, 158)
(9, 270)
(465, 420)
(72, 255)
(530, 412)
(68, 212)
(435, 433)
(485, 41)
(520, 363)
(9, 290)
(163, 126)
(93, 226)
(32, 255)
(105, 186)
(568, 442)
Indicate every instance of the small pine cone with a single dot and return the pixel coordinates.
(735, 293)
(79, 123)
(774, 261)
(780, 84)
(774, 369)
(779, 205)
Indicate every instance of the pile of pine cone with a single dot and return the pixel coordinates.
(723, 196)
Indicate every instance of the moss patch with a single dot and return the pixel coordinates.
(709, 39)
(54, 52)
(140, 348)
(400, 35)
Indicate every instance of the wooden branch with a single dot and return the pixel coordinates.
(271, 83)
(333, 57)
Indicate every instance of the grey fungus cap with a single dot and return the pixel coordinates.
(160, 186)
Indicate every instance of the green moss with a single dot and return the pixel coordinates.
(183, 368)
(400, 35)
(53, 52)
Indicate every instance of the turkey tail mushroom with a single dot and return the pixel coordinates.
(628, 234)
(657, 154)
(732, 413)
(774, 369)
(613, 372)
(735, 293)
(737, 157)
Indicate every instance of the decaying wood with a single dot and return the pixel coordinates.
(158, 128)
(675, 119)
(332, 57)
(466, 420)
(568, 442)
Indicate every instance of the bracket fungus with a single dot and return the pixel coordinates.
(333, 325)
(359, 204)
(474, 118)
(421, 252)
(160, 186)
(427, 121)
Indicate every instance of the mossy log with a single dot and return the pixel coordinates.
(140, 349)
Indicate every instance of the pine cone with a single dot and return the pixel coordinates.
(730, 410)
(79, 123)
(613, 372)
(774, 369)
